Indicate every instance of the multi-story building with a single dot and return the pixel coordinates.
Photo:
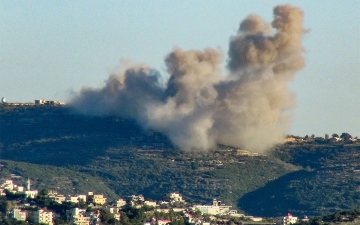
(42, 216)
(78, 216)
(115, 211)
(18, 214)
(215, 209)
(99, 199)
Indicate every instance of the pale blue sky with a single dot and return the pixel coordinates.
(49, 49)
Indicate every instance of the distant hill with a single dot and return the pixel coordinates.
(305, 178)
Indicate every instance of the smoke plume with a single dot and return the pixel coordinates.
(198, 107)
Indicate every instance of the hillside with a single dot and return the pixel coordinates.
(128, 159)
(63, 180)
(331, 182)
(309, 178)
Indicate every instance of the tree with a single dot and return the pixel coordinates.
(326, 136)
(105, 215)
(44, 192)
(334, 135)
(345, 136)
(124, 219)
(197, 213)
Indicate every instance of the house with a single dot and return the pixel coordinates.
(115, 211)
(176, 197)
(20, 189)
(136, 200)
(59, 198)
(81, 198)
(18, 214)
(150, 203)
(120, 203)
(286, 220)
(99, 199)
(42, 216)
(81, 217)
(8, 185)
(70, 198)
(78, 216)
(75, 199)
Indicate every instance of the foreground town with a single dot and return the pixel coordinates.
(26, 206)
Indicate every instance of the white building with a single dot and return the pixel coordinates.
(175, 197)
(150, 203)
(82, 198)
(286, 220)
(42, 216)
(73, 199)
(215, 209)
(59, 198)
(120, 203)
(78, 216)
(8, 185)
(20, 189)
(30, 193)
(115, 211)
(18, 214)
(81, 217)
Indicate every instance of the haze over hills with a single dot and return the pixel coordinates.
(309, 178)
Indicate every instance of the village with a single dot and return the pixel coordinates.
(87, 209)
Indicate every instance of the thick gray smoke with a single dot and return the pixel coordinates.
(198, 107)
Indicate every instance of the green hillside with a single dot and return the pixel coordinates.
(309, 178)
(330, 183)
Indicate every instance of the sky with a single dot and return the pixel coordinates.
(51, 49)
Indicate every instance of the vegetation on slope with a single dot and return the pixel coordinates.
(128, 159)
(63, 180)
(134, 161)
(329, 183)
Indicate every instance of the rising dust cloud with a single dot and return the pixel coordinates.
(198, 107)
